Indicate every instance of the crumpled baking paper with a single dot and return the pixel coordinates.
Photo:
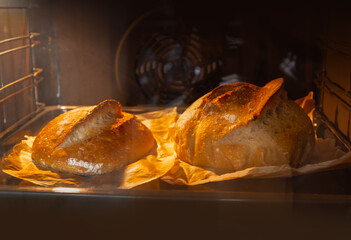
(19, 163)
(325, 156)
(166, 166)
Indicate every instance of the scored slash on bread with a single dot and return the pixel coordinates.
(249, 100)
(96, 120)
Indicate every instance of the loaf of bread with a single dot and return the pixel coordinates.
(92, 140)
(238, 126)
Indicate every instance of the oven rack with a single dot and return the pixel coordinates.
(19, 76)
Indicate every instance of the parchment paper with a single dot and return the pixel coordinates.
(19, 163)
(164, 164)
(325, 156)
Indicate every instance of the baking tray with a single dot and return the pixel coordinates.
(335, 183)
(159, 210)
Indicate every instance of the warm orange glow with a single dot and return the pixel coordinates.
(307, 103)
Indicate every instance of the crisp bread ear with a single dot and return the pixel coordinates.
(100, 118)
(265, 93)
(244, 100)
(274, 86)
(259, 99)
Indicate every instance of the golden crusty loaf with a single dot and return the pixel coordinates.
(92, 140)
(240, 125)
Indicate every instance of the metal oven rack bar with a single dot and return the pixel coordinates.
(19, 76)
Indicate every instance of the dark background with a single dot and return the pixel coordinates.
(254, 42)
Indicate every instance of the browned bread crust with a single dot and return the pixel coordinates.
(92, 140)
(237, 126)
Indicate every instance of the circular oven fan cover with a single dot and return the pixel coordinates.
(169, 61)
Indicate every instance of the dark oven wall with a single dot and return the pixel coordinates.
(171, 52)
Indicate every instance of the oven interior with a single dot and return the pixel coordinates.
(55, 55)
